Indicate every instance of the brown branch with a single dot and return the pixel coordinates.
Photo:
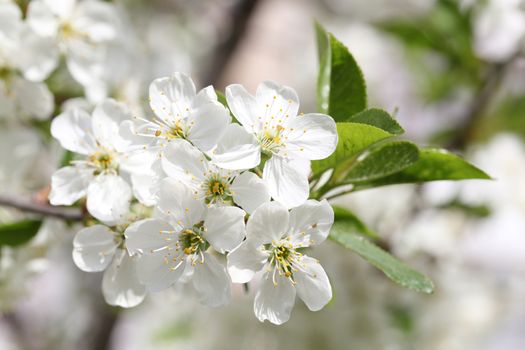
(29, 206)
(238, 16)
(480, 102)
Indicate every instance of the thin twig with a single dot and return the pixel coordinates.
(239, 15)
(481, 101)
(70, 214)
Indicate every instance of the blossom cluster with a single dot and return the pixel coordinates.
(190, 197)
(81, 32)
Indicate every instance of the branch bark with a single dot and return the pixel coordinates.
(29, 206)
(238, 16)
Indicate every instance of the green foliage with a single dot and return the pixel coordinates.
(445, 34)
(378, 118)
(353, 138)
(346, 221)
(341, 90)
(381, 160)
(393, 268)
(433, 164)
(18, 233)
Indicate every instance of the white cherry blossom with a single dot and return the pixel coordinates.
(287, 139)
(211, 184)
(180, 113)
(25, 60)
(176, 248)
(81, 30)
(99, 248)
(98, 177)
(274, 238)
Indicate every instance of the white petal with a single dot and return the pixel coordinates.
(178, 202)
(313, 136)
(106, 120)
(42, 19)
(141, 162)
(313, 286)
(286, 183)
(69, 184)
(225, 227)
(93, 248)
(183, 162)
(61, 8)
(10, 21)
(204, 96)
(274, 302)
(33, 99)
(245, 260)
(108, 198)
(146, 186)
(237, 149)
(73, 130)
(38, 56)
(310, 222)
(158, 271)
(244, 107)
(171, 96)
(97, 19)
(146, 236)
(280, 102)
(269, 222)
(249, 191)
(210, 121)
(212, 282)
(120, 285)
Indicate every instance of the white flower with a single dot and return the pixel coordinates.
(211, 184)
(25, 60)
(181, 113)
(176, 249)
(499, 29)
(98, 176)
(81, 30)
(277, 131)
(273, 239)
(98, 248)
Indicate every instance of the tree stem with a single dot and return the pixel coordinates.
(29, 206)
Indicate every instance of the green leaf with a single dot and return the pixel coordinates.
(353, 138)
(18, 233)
(433, 165)
(341, 89)
(346, 221)
(382, 160)
(378, 118)
(67, 157)
(221, 98)
(393, 268)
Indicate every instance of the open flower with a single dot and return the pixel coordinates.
(98, 176)
(25, 60)
(181, 113)
(285, 138)
(211, 184)
(81, 30)
(274, 238)
(98, 248)
(177, 248)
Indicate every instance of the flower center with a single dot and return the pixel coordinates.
(271, 139)
(191, 241)
(67, 31)
(284, 258)
(216, 189)
(103, 161)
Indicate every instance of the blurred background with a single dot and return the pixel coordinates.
(451, 71)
